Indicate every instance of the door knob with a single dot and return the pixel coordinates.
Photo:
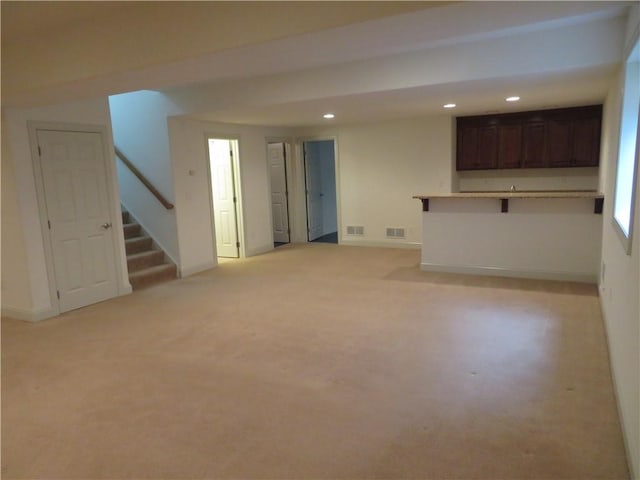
(106, 226)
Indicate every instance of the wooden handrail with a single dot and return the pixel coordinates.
(165, 203)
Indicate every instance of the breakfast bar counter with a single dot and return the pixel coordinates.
(533, 234)
(597, 197)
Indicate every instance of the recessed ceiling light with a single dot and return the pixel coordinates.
(328, 115)
(449, 105)
(512, 99)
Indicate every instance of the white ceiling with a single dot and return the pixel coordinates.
(473, 97)
(400, 65)
(473, 54)
(68, 50)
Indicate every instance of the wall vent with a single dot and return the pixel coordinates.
(355, 230)
(395, 232)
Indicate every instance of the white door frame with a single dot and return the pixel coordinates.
(237, 184)
(123, 286)
(336, 159)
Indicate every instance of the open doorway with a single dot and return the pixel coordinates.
(277, 155)
(320, 180)
(223, 168)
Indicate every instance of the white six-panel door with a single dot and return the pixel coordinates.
(223, 195)
(73, 171)
(279, 205)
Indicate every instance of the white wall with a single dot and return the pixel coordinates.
(140, 132)
(620, 282)
(18, 152)
(530, 179)
(190, 171)
(381, 166)
(16, 290)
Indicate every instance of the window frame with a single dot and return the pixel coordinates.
(627, 239)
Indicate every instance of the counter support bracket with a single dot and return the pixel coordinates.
(598, 199)
(597, 205)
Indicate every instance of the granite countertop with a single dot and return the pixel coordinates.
(518, 194)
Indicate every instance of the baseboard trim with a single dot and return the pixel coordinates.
(186, 272)
(581, 277)
(259, 250)
(382, 243)
(28, 315)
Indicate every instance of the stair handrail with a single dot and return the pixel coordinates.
(165, 203)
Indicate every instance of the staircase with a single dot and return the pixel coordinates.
(147, 265)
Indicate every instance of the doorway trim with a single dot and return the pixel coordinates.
(336, 159)
(122, 282)
(235, 141)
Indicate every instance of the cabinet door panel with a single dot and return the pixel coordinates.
(586, 142)
(534, 151)
(487, 155)
(509, 146)
(467, 146)
(559, 142)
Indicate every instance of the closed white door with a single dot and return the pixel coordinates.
(224, 198)
(313, 174)
(73, 171)
(279, 204)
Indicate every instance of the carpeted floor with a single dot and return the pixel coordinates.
(316, 361)
(328, 238)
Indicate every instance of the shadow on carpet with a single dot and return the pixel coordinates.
(414, 274)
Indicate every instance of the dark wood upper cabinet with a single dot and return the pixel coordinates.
(586, 142)
(467, 148)
(568, 137)
(559, 142)
(477, 146)
(509, 146)
(487, 147)
(534, 151)
(574, 138)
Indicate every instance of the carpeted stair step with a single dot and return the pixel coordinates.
(131, 230)
(150, 275)
(137, 244)
(145, 264)
(149, 258)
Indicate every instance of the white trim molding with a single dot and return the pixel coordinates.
(381, 244)
(582, 277)
(192, 270)
(28, 315)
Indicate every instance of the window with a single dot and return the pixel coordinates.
(628, 148)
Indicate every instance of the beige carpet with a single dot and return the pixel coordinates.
(316, 361)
